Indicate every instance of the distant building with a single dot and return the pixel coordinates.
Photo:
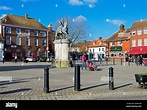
(138, 38)
(119, 44)
(23, 36)
(98, 48)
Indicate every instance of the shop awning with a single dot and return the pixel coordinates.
(138, 50)
(116, 48)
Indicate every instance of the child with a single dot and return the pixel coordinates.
(90, 66)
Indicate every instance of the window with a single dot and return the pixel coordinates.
(36, 33)
(139, 42)
(8, 30)
(36, 42)
(145, 42)
(8, 40)
(111, 43)
(43, 34)
(44, 42)
(18, 31)
(139, 31)
(28, 41)
(145, 30)
(28, 32)
(99, 49)
(133, 32)
(18, 41)
(133, 43)
(119, 42)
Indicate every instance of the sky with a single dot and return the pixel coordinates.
(102, 16)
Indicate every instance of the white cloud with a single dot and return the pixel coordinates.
(3, 15)
(22, 5)
(56, 5)
(115, 21)
(90, 3)
(5, 8)
(80, 19)
(29, 0)
(76, 2)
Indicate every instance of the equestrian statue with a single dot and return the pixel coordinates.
(62, 30)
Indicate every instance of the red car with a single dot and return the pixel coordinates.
(145, 61)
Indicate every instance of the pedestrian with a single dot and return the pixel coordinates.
(16, 59)
(3, 59)
(140, 60)
(84, 61)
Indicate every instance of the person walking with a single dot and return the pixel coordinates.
(84, 61)
(16, 59)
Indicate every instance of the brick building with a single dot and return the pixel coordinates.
(138, 39)
(118, 44)
(25, 37)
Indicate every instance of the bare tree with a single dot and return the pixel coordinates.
(77, 30)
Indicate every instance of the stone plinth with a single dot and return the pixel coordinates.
(62, 53)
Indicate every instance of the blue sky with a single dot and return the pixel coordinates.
(102, 16)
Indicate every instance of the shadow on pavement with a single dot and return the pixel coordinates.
(123, 85)
(8, 82)
(94, 86)
(16, 90)
(13, 68)
(61, 89)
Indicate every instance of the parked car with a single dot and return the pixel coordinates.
(28, 59)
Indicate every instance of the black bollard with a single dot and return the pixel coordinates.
(46, 79)
(121, 61)
(77, 78)
(111, 81)
(113, 61)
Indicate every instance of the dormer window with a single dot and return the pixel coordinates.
(93, 43)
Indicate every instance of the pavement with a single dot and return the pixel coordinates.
(25, 81)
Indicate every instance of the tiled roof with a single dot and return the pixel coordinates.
(97, 43)
(139, 24)
(22, 21)
(116, 37)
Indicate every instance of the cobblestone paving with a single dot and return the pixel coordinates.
(28, 82)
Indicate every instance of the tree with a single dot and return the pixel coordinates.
(78, 30)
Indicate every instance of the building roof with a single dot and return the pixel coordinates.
(98, 43)
(22, 21)
(81, 45)
(139, 24)
(119, 36)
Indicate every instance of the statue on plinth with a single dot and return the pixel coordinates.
(62, 30)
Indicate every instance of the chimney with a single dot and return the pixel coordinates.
(99, 38)
(50, 27)
(26, 15)
(121, 28)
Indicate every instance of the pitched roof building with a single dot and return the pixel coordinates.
(118, 43)
(23, 37)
